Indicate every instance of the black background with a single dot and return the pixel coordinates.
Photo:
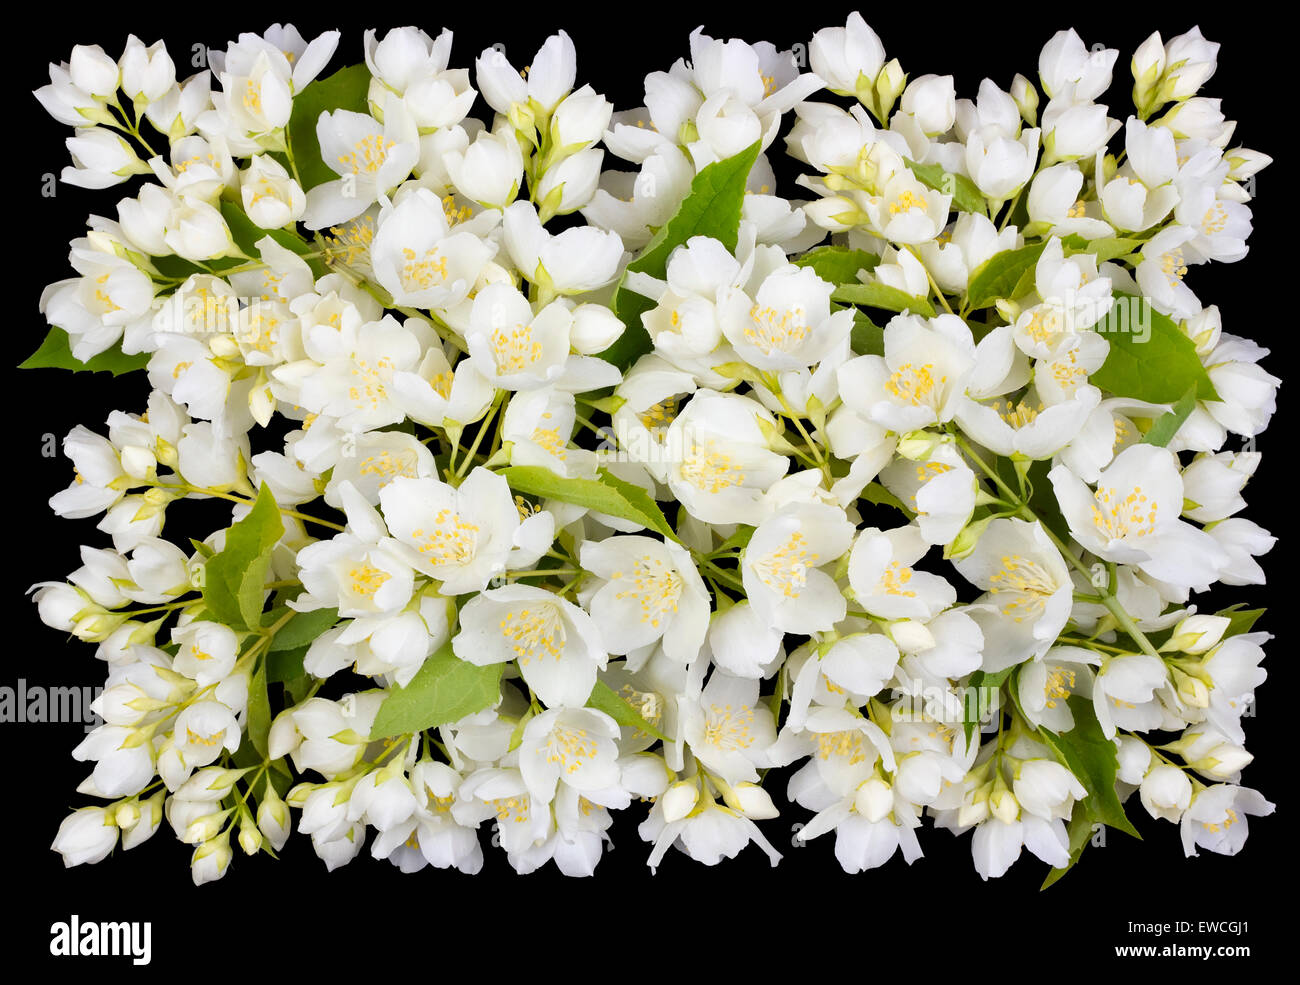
(935, 917)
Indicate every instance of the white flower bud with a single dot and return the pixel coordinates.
(580, 120)
(755, 802)
(1133, 756)
(211, 860)
(86, 835)
(1025, 95)
(679, 800)
(911, 636)
(595, 328)
(874, 799)
(93, 71)
(933, 101)
(1004, 806)
(147, 73)
(1166, 791)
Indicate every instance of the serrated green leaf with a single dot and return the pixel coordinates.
(1150, 358)
(444, 690)
(999, 275)
(605, 698)
(878, 295)
(607, 494)
(838, 264)
(711, 208)
(1090, 756)
(1166, 426)
(345, 89)
(965, 195)
(55, 352)
(233, 578)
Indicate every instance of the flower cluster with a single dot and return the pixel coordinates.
(569, 464)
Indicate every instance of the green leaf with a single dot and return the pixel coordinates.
(1167, 425)
(838, 264)
(1042, 498)
(711, 208)
(868, 338)
(1090, 756)
(444, 690)
(878, 495)
(247, 235)
(737, 540)
(878, 295)
(56, 353)
(979, 680)
(1080, 832)
(1150, 358)
(303, 628)
(1105, 248)
(233, 578)
(999, 276)
(606, 699)
(285, 666)
(259, 710)
(345, 89)
(1239, 620)
(965, 195)
(607, 494)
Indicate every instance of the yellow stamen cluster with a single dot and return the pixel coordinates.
(895, 579)
(371, 388)
(1028, 583)
(771, 330)
(786, 569)
(423, 272)
(1173, 265)
(1017, 415)
(569, 748)
(709, 469)
(348, 244)
(914, 385)
(655, 587)
(534, 633)
(906, 202)
(1060, 685)
(365, 579)
(454, 540)
(845, 745)
(513, 350)
(727, 728)
(387, 464)
(1131, 516)
(368, 154)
